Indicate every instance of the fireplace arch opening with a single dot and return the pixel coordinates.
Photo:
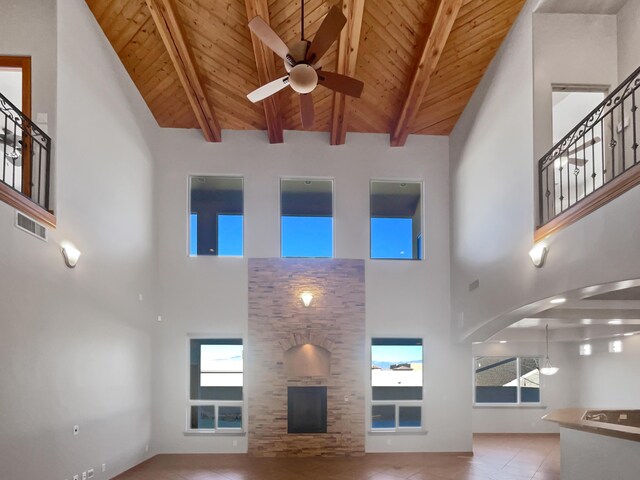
(307, 360)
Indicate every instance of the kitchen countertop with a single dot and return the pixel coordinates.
(574, 418)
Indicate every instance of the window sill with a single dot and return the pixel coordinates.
(497, 405)
(397, 432)
(211, 433)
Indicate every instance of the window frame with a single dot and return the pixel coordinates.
(216, 403)
(189, 213)
(333, 210)
(518, 402)
(396, 403)
(420, 248)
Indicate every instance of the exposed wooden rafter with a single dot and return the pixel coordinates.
(434, 45)
(266, 66)
(170, 28)
(346, 65)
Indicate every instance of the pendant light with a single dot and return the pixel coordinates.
(547, 369)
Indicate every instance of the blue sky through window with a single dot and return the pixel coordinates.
(391, 238)
(396, 353)
(230, 235)
(307, 236)
(193, 234)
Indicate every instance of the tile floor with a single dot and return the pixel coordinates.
(496, 457)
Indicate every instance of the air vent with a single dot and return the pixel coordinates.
(30, 226)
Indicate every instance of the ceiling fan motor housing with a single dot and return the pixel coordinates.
(303, 78)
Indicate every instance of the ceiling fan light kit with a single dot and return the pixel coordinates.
(302, 63)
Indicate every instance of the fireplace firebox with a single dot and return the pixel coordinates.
(307, 411)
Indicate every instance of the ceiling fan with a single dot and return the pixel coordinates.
(13, 142)
(572, 155)
(301, 62)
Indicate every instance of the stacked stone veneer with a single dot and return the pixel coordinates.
(278, 321)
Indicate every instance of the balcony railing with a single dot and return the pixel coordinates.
(26, 167)
(593, 163)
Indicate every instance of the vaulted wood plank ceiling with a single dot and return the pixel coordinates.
(382, 45)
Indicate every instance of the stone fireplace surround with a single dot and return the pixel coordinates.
(279, 324)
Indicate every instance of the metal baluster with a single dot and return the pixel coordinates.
(568, 182)
(39, 173)
(613, 146)
(624, 166)
(15, 160)
(561, 189)
(635, 134)
(47, 176)
(546, 171)
(602, 153)
(4, 153)
(593, 162)
(584, 167)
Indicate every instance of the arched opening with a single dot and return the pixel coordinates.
(307, 360)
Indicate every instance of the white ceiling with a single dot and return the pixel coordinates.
(608, 7)
(602, 311)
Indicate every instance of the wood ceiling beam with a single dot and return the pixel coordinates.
(348, 45)
(434, 45)
(266, 66)
(170, 28)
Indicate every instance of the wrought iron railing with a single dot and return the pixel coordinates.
(601, 148)
(26, 154)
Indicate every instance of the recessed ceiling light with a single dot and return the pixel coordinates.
(586, 321)
(503, 341)
(615, 322)
(628, 334)
(559, 300)
(476, 343)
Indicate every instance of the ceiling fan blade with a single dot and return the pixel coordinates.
(270, 38)
(578, 162)
(328, 33)
(587, 144)
(268, 89)
(307, 112)
(341, 83)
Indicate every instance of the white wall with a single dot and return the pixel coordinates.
(557, 391)
(28, 28)
(610, 380)
(208, 295)
(572, 50)
(628, 38)
(588, 456)
(75, 344)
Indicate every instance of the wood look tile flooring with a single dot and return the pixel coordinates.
(496, 457)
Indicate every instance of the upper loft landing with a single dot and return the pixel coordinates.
(585, 97)
(594, 163)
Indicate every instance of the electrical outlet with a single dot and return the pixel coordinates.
(235, 443)
(90, 473)
(76, 429)
(84, 475)
(388, 442)
(104, 467)
(146, 448)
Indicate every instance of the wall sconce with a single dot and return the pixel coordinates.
(306, 298)
(538, 254)
(70, 254)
